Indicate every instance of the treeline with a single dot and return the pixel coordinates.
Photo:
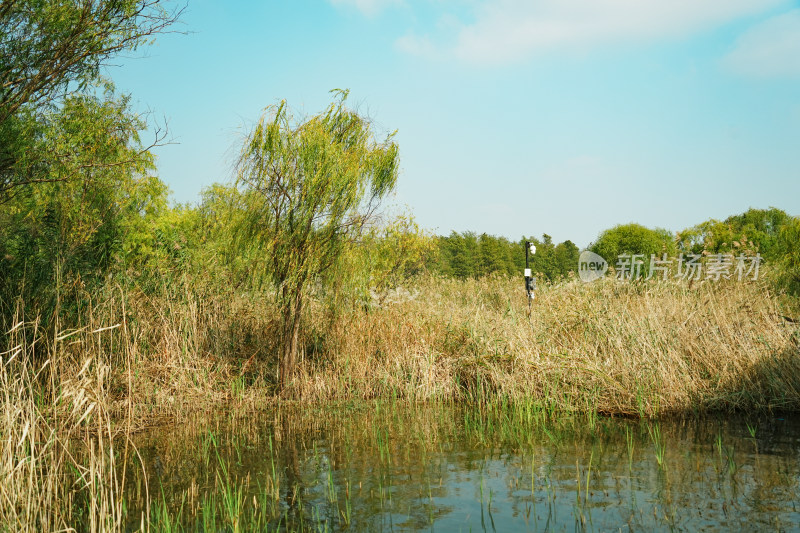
(767, 232)
(469, 255)
(771, 233)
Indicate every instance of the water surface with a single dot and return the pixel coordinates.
(442, 468)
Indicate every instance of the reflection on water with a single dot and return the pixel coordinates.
(444, 468)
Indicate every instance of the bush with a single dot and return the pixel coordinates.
(634, 239)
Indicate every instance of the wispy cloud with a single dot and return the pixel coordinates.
(769, 49)
(367, 7)
(420, 46)
(510, 30)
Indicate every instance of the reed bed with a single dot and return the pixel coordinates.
(640, 349)
(62, 450)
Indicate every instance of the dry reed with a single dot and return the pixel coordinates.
(619, 348)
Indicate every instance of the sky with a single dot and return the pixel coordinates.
(513, 118)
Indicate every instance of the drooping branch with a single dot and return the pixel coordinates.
(313, 178)
(50, 49)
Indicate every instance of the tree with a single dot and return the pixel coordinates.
(73, 230)
(391, 253)
(50, 50)
(387, 256)
(463, 254)
(309, 187)
(493, 255)
(633, 239)
(488, 255)
(755, 230)
(566, 258)
(788, 244)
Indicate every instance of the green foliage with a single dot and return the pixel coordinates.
(393, 253)
(762, 228)
(754, 231)
(76, 195)
(69, 231)
(494, 255)
(307, 189)
(466, 255)
(457, 254)
(52, 49)
(387, 256)
(788, 249)
(634, 239)
(566, 258)
(551, 261)
(770, 232)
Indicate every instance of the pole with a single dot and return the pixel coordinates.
(528, 283)
(527, 247)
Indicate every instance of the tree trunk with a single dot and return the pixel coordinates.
(294, 481)
(291, 333)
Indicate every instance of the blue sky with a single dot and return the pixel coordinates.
(514, 117)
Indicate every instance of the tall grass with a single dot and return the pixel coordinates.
(617, 348)
(61, 461)
(639, 349)
(635, 349)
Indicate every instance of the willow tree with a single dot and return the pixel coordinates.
(308, 187)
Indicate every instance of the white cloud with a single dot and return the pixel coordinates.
(769, 49)
(419, 46)
(511, 30)
(367, 7)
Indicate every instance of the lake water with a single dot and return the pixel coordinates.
(390, 467)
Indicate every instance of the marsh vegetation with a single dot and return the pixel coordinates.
(284, 355)
(119, 427)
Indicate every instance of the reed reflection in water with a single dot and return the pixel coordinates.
(380, 467)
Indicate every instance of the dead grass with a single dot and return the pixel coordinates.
(609, 347)
(60, 451)
(618, 348)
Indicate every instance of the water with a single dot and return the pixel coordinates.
(444, 468)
